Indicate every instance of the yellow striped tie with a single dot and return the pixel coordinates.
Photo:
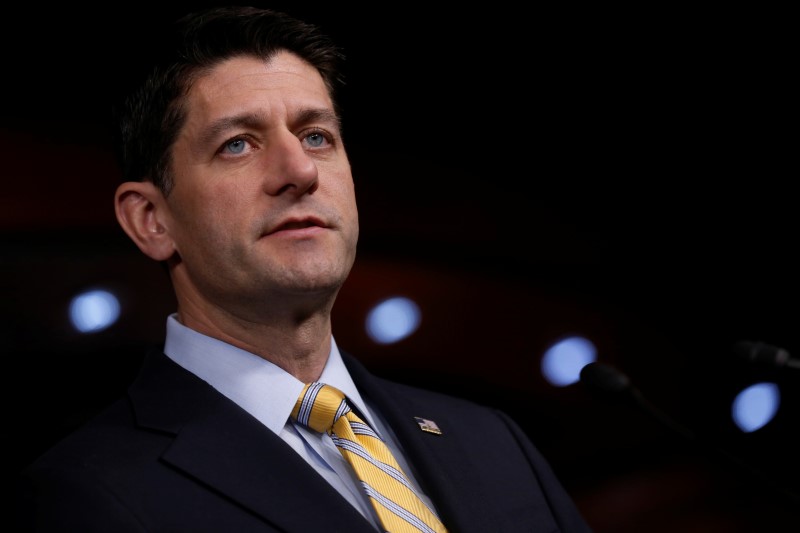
(323, 408)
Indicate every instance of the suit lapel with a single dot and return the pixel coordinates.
(440, 462)
(224, 447)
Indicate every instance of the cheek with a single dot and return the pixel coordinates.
(227, 201)
(343, 188)
(209, 216)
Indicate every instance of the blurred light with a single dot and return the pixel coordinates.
(755, 406)
(392, 320)
(563, 361)
(93, 311)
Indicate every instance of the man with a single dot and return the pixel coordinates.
(237, 179)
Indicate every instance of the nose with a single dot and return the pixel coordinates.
(289, 168)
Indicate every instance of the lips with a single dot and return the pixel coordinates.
(297, 223)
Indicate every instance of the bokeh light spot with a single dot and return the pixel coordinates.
(392, 320)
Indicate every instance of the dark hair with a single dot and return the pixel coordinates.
(149, 117)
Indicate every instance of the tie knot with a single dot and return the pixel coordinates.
(319, 406)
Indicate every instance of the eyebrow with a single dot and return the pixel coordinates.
(216, 128)
(255, 121)
(319, 115)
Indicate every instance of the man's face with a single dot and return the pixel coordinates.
(263, 206)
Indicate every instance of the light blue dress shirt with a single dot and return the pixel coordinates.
(269, 393)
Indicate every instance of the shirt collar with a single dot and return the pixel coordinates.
(258, 386)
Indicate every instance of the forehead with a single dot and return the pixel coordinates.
(249, 80)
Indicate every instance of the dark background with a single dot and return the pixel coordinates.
(524, 174)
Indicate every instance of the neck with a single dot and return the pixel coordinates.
(299, 343)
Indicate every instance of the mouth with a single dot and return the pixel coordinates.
(298, 224)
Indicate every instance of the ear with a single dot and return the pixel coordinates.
(141, 211)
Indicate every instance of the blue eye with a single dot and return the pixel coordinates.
(315, 139)
(236, 146)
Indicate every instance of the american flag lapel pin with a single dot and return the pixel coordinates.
(428, 426)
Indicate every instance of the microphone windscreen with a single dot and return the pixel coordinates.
(605, 378)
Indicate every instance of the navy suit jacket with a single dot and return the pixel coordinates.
(176, 455)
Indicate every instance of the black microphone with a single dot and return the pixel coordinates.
(610, 382)
(765, 354)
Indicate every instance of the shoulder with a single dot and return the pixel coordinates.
(101, 436)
